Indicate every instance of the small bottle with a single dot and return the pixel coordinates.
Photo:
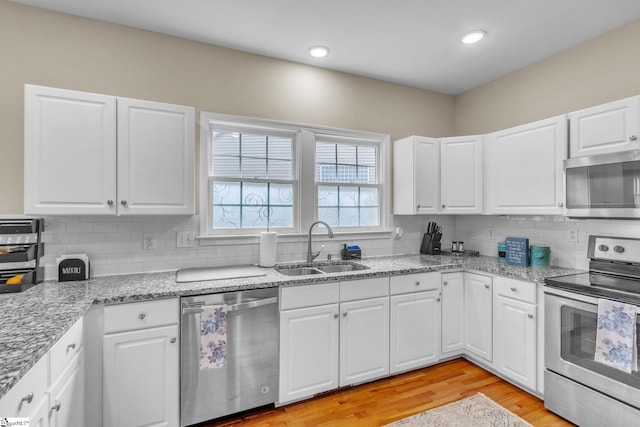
(460, 246)
(454, 246)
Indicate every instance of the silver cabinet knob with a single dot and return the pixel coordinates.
(141, 316)
(418, 206)
(123, 202)
(438, 299)
(71, 346)
(335, 316)
(633, 138)
(110, 202)
(173, 340)
(444, 206)
(560, 204)
(445, 283)
(417, 282)
(55, 407)
(345, 314)
(486, 285)
(513, 289)
(530, 316)
(28, 398)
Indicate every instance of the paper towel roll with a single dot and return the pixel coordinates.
(268, 248)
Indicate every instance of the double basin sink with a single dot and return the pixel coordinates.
(320, 269)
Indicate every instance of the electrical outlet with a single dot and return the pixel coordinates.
(572, 235)
(491, 231)
(148, 241)
(185, 239)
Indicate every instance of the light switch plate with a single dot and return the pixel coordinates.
(185, 239)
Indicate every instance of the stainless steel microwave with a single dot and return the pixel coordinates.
(603, 186)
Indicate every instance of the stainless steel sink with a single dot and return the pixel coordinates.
(320, 269)
(301, 271)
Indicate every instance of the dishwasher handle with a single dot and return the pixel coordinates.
(197, 308)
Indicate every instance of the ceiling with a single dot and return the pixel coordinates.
(411, 42)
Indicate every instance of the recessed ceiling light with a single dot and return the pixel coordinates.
(473, 36)
(319, 51)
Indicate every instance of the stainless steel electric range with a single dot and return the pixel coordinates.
(578, 388)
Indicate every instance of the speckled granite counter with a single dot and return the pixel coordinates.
(32, 321)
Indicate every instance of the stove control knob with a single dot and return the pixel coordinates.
(618, 249)
(603, 248)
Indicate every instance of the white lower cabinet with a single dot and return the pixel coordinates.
(478, 315)
(364, 340)
(515, 331)
(331, 335)
(141, 353)
(308, 351)
(452, 314)
(66, 398)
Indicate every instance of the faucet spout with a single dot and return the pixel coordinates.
(310, 254)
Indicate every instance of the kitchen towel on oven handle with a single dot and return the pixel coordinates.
(213, 337)
(616, 344)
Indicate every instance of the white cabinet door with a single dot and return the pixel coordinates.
(308, 351)
(605, 128)
(452, 313)
(415, 330)
(416, 175)
(156, 149)
(69, 152)
(523, 167)
(478, 315)
(364, 340)
(67, 396)
(515, 340)
(141, 377)
(461, 178)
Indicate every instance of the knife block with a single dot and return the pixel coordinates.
(430, 246)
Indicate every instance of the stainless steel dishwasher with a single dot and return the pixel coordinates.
(249, 377)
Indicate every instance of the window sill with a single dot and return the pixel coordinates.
(252, 239)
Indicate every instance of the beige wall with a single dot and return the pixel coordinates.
(52, 49)
(603, 69)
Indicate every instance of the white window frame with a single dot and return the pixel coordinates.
(303, 157)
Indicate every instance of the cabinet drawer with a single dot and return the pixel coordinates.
(414, 283)
(364, 288)
(23, 398)
(309, 295)
(516, 289)
(64, 350)
(140, 315)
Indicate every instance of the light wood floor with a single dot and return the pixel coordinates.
(390, 399)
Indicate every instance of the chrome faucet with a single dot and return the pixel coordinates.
(310, 254)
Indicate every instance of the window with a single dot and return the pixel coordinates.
(347, 183)
(258, 175)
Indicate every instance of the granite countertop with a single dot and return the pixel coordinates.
(32, 321)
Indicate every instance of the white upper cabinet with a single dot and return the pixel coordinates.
(69, 152)
(91, 154)
(523, 167)
(605, 128)
(416, 176)
(461, 178)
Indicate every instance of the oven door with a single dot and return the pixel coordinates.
(570, 331)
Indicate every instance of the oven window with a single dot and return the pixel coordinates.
(578, 345)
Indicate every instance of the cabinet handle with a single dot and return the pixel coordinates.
(445, 283)
(335, 316)
(438, 299)
(417, 282)
(55, 407)
(633, 138)
(141, 316)
(345, 314)
(123, 202)
(444, 206)
(513, 289)
(110, 202)
(486, 285)
(418, 206)
(28, 398)
(173, 340)
(530, 316)
(560, 204)
(71, 346)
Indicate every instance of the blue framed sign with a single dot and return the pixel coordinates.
(517, 251)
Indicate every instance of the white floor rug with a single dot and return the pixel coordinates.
(474, 411)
